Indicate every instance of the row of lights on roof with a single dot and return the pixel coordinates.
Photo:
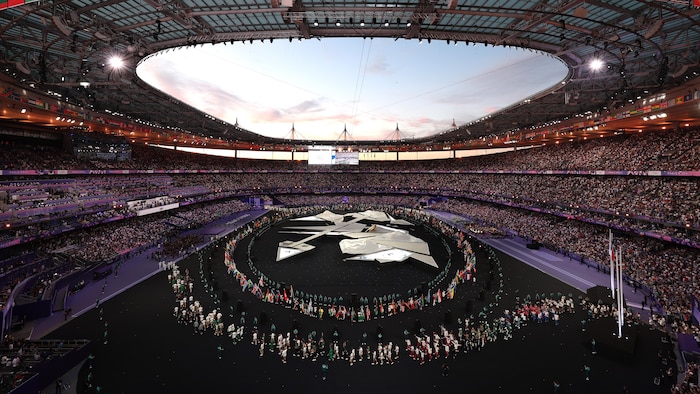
(115, 113)
(362, 22)
(68, 120)
(654, 117)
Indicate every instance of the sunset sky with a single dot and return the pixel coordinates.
(367, 86)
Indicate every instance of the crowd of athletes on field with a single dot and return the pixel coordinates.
(471, 334)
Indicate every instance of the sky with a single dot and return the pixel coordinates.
(368, 87)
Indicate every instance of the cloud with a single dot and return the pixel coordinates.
(379, 65)
(307, 109)
(306, 106)
(267, 115)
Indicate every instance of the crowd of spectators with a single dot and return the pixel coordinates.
(20, 359)
(47, 260)
(24, 264)
(668, 270)
(41, 206)
(350, 201)
(665, 206)
(103, 243)
(179, 246)
(690, 383)
(675, 150)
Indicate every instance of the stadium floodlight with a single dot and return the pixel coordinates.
(116, 62)
(595, 64)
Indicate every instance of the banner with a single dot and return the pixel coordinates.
(13, 3)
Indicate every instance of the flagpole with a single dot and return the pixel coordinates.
(611, 256)
(620, 298)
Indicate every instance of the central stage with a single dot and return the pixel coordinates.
(341, 254)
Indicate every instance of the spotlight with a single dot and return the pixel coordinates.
(116, 61)
(362, 23)
(595, 64)
(386, 22)
(316, 23)
(337, 23)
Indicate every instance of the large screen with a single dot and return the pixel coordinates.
(347, 158)
(321, 155)
(327, 155)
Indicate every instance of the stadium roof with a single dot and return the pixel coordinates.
(64, 46)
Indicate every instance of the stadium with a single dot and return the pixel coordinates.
(549, 245)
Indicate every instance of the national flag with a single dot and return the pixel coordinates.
(612, 255)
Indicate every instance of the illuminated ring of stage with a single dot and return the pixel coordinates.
(393, 259)
(415, 291)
